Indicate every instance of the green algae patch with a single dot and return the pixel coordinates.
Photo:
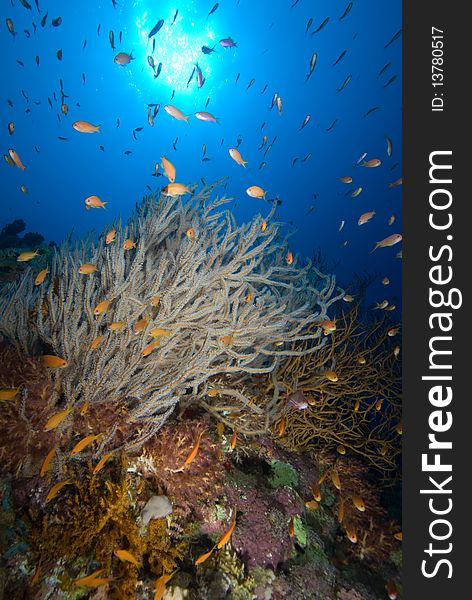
(283, 475)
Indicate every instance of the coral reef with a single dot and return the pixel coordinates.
(220, 301)
(360, 410)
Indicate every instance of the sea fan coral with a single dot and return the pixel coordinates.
(222, 301)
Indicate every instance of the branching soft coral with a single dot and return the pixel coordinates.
(353, 388)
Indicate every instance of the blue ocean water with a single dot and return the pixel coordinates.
(274, 47)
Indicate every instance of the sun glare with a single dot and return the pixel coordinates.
(177, 48)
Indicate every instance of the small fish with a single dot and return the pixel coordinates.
(358, 503)
(25, 4)
(297, 400)
(371, 110)
(347, 11)
(207, 50)
(224, 539)
(372, 163)
(175, 16)
(56, 419)
(47, 461)
(191, 76)
(351, 533)
(323, 24)
(264, 88)
(308, 25)
(101, 463)
(395, 37)
(345, 82)
(384, 68)
(236, 156)
(356, 192)
(391, 240)
(96, 342)
(256, 192)
(233, 440)
(15, 157)
(94, 202)
(332, 125)
(117, 325)
(56, 22)
(21, 63)
(331, 375)
(389, 146)
(346, 179)
(313, 60)
(156, 28)
(213, 9)
(396, 183)
(391, 589)
(348, 298)
(85, 127)
(123, 58)
(89, 579)
(250, 84)
(385, 281)
(56, 488)
(175, 190)
(306, 157)
(83, 443)
(41, 276)
(44, 19)
(169, 169)
(237, 78)
(341, 56)
(10, 27)
(129, 244)
(191, 457)
(126, 556)
(291, 527)
(160, 585)
(174, 144)
(203, 557)
(101, 307)
(111, 37)
(98, 28)
(262, 165)
(173, 111)
(391, 220)
(391, 80)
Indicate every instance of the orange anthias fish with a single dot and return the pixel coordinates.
(282, 425)
(9, 394)
(358, 503)
(101, 307)
(140, 325)
(160, 586)
(175, 112)
(94, 202)
(331, 375)
(96, 342)
(41, 276)
(224, 539)
(291, 527)
(351, 533)
(373, 162)
(190, 233)
(335, 479)
(16, 159)
(123, 58)
(203, 557)
(117, 325)
(26, 256)
(129, 244)
(206, 116)
(83, 443)
(175, 189)
(47, 461)
(233, 440)
(346, 179)
(391, 240)
(191, 457)
(150, 348)
(366, 217)
(391, 590)
(87, 269)
(313, 504)
(126, 556)
(53, 362)
(169, 169)
(256, 192)
(101, 463)
(398, 536)
(328, 326)
(236, 156)
(85, 127)
(226, 339)
(289, 258)
(56, 488)
(110, 237)
(85, 580)
(315, 488)
(56, 419)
